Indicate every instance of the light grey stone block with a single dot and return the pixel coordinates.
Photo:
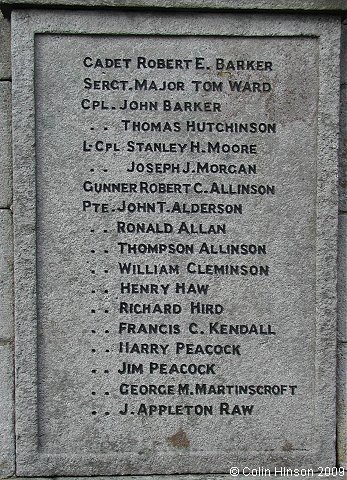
(6, 276)
(342, 405)
(5, 145)
(317, 5)
(7, 454)
(5, 49)
(69, 319)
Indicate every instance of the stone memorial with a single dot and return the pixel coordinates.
(175, 226)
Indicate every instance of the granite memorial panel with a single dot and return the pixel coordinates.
(175, 236)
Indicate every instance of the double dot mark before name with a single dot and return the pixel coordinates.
(96, 288)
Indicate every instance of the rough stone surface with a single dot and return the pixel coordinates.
(5, 49)
(5, 145)
(342, 405)
(6, 276)
(342, 279)
(343, 124)
(301, 5)
(7, 457)
(315, 476)
(68, 352)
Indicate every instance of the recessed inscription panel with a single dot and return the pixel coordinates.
(174, 232)
(176, 210)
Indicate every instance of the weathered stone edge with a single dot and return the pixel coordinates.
(343, 122)
(342, 267)
(6, 279)
(7, 446)
(5, 49)
(316, 476)
(5, 144)
(337, 6)
(342, 405)
(7, 459)
(342, 279)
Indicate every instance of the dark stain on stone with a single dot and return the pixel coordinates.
(287, 447)
(179, 439)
